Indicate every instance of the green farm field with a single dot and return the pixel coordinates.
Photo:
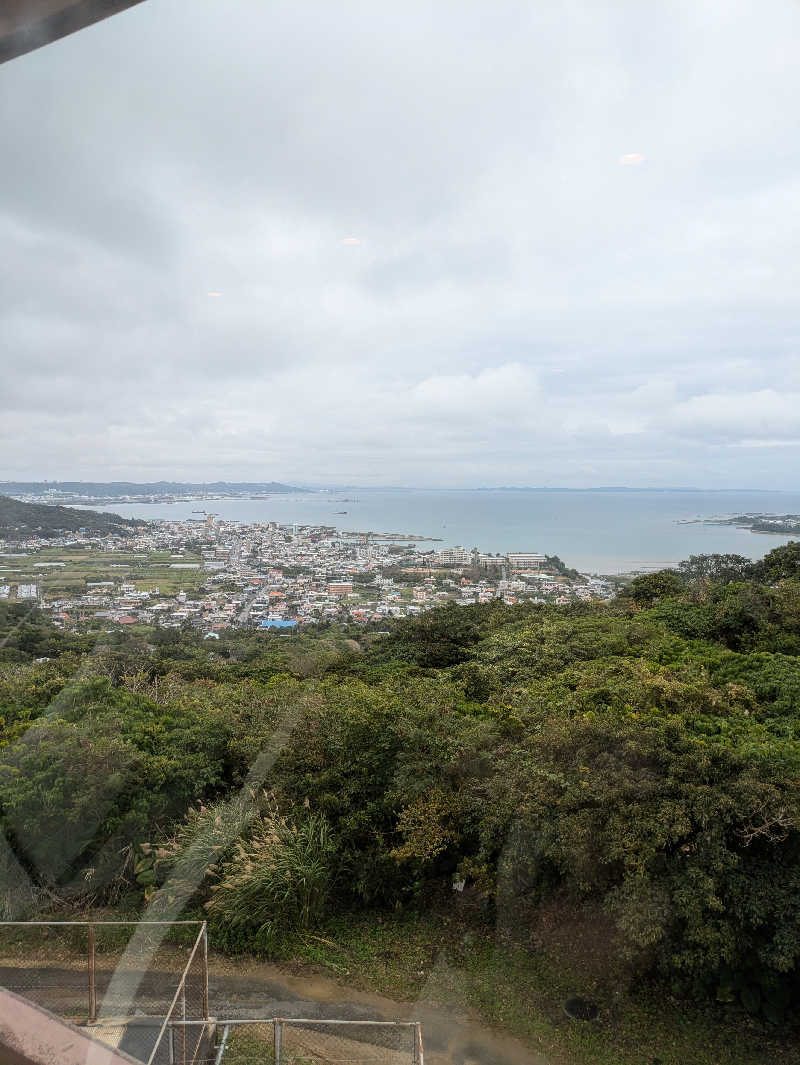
(84, 566)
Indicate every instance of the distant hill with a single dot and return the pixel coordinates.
(120, 489)
(41, 519)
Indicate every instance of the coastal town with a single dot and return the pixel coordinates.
(214, 574)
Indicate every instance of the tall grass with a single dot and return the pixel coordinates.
(279, 879)
(182, 864)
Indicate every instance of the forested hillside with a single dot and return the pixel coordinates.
(634, 767)
(42, 519)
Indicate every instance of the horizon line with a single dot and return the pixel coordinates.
(342, 486)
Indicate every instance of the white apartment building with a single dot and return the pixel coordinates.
(454, 556)
(485, 561)
(527, 560)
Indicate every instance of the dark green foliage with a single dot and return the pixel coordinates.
(96, 770)
(773, 679)
(650, 587)
(43, 520)
(26, 634)
(435, 639)
(744, 616)
(721, 569)
(638, 760)
(782, 563)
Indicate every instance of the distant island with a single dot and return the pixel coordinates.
(102, 493)
(18, 519)
(777, 524)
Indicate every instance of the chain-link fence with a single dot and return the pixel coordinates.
(245, 1043)
(142, 987)
(352, 1042)
(128, 981)
(137, 1036)
(185, 1035)
(86, 971)
(318, 1042)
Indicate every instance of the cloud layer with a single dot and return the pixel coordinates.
(434, 244)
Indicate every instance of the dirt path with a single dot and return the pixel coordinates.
(258, 989)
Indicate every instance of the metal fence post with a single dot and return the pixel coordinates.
(183, 1025)
(92, 984)
(420, 1054)
(205, 971)
(277, 1025)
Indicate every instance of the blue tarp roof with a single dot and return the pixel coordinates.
(277, 624)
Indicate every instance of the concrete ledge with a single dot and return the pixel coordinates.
(29, 24)
(30, 1035)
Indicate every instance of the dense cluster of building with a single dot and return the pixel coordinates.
(276, 576)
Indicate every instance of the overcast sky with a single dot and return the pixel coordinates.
(432, 243)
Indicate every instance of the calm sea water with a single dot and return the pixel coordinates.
(595, 531)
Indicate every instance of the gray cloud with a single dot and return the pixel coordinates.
(529, 300)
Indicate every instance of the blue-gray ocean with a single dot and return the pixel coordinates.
(599, 531)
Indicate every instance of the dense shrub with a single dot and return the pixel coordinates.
(639, 760)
